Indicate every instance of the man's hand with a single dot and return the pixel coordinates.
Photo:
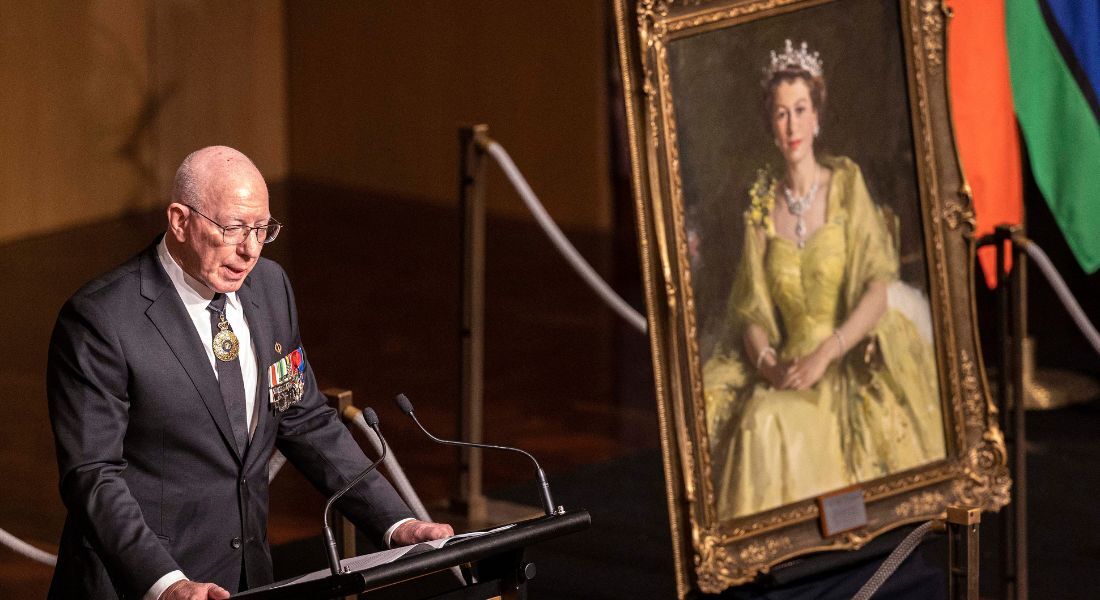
(190, 590)
(414, 532)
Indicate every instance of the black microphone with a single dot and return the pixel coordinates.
(544, 487)
(333, 556)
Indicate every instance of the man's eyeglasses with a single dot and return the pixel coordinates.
(235, 234)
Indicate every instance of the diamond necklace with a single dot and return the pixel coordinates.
(797, 205)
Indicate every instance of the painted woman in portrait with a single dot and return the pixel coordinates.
(820, 381)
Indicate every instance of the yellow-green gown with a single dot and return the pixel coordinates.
(872, 414)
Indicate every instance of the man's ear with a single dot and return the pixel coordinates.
(177, 221)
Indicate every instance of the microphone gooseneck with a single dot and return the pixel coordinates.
(330, 541)
(406, 407)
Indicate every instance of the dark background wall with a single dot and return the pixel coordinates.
(377, 91)
(102, 100)
(351, 110)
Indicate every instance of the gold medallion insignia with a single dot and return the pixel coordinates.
(226, 347)
(278, 348)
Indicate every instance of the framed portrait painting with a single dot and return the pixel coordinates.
(807, 245)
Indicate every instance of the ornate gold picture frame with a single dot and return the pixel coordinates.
(807, 246)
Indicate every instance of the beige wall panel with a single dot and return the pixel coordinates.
(220, 74)
(377, 91)
(102, 99)
(73, 75)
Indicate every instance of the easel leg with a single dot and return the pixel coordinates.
(962, 552)
(1011, 333)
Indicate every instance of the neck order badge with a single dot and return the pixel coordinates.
(226, 346)
(225, 343)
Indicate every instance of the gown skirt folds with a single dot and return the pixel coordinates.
(873, 413)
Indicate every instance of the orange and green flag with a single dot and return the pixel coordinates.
(1054, 52)
(982, 113)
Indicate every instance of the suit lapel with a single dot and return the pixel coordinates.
(174, 324)
(259, 325)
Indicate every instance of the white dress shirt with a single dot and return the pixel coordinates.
(196, 298)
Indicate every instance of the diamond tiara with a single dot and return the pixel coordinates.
(799, 58)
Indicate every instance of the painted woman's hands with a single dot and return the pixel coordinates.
(772, 369)
(803, 373)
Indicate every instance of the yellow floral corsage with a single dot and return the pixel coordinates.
(762, 201)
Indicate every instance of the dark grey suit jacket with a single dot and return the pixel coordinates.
(149, 471)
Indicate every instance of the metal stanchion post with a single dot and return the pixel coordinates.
(1018, 292)
(479, 510)
(471, 333)
(1011, 336)
(1007, 566)
(962, 552)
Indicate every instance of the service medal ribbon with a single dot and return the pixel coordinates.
(287, 380)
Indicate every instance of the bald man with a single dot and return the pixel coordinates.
(171, 380)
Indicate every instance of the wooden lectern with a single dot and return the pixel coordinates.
(493, 564)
